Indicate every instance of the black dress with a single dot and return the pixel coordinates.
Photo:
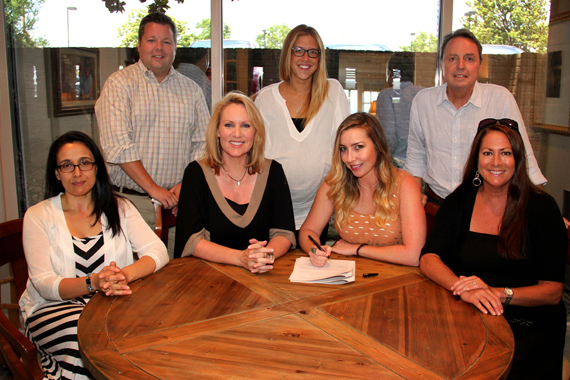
(204, 213)
(540, 331)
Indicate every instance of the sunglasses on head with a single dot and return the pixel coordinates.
(506, 122)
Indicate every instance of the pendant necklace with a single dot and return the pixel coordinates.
(296, 104)
(233, 179)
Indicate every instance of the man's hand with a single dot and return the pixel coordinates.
(166, 197)
(176, 191)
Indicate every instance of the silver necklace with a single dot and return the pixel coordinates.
(373, 186)
(232, 178)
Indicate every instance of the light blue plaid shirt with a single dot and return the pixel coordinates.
(161, 124)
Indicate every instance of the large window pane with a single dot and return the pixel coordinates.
(65, 45)
(360, 38)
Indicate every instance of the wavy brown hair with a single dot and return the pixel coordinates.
(343, 184)
(320, 84)
(213, 151)
(513, 235)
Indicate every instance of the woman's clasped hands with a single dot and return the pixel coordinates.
(111, 281)
(475, 291)
(257, 258)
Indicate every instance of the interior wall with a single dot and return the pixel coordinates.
(557, 110)
(558, 166)
(39, 126)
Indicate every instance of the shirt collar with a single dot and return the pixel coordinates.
(474, 99)
(149, 74)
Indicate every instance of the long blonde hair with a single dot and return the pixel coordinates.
(320, 84)
(344, 185)
(213, 151)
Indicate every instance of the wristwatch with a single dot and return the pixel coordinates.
(509, 294)
(88, 283)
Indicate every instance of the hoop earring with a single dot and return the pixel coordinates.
(477, 181)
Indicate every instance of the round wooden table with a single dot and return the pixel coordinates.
(200, 320)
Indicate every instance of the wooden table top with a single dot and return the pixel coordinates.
(199, 320)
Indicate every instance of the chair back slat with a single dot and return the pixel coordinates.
(12, 253)
(163, 220)
(18, 353)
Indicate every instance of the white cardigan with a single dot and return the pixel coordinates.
(50, 255)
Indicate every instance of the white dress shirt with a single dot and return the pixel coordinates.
(441, 136)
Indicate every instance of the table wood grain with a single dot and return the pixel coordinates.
(199, 320)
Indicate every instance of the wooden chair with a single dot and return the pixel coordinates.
(18, 352)
(431, 211)
(568, 252)
(13, 253)
(163, 220)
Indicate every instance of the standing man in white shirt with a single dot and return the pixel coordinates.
(152, 121)
(444, 119)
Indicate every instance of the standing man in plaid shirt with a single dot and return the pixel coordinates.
(152, 121)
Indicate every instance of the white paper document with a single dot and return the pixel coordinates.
(334, 272)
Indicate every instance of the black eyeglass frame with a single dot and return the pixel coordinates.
(509, 123)
(92, 163)
(308, 51)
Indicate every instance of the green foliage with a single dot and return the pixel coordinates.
(422, 43)
(21, 16)
(520, 23)
(155, 6)
(129, 32)
(204, 28)
(273, 37)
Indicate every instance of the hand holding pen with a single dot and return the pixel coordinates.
(319, 255)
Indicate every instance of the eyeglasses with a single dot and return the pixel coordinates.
(506, 122)
(299, 52)
(84, 166)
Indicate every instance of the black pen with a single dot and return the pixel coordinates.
(315, 243)
(318, 245)
(370, 275)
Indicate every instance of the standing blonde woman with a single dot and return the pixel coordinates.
(378, 208)
(302, 114)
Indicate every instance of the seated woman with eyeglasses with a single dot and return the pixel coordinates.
(499, 243)
(301, 115)
(78, 241)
